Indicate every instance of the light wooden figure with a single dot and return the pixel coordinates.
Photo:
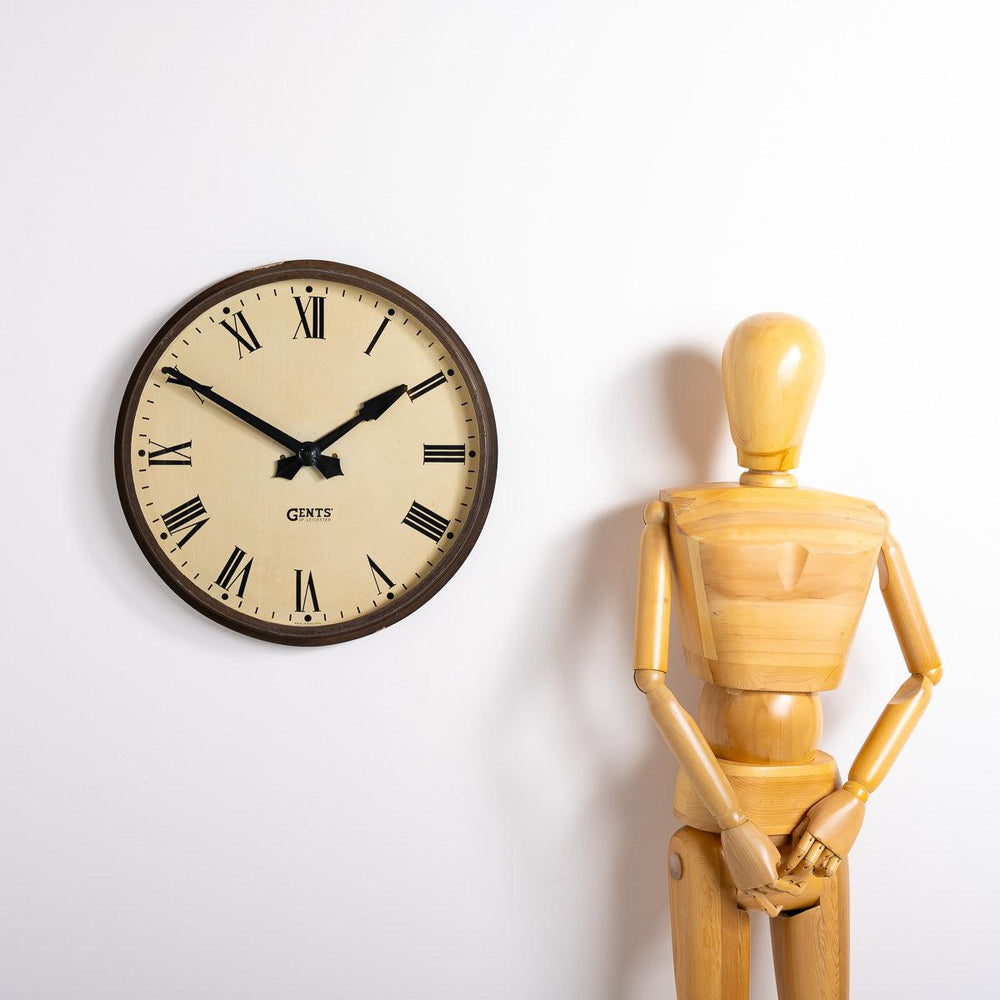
(771, 579)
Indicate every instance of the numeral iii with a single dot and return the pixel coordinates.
(444, 453)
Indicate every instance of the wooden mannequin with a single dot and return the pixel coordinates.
(771, 580)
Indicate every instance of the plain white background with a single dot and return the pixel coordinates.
(474, 803)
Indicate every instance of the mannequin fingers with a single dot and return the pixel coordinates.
(787, 885)
(758, 901)
(822, 866)
(815, 852)
(795, 858)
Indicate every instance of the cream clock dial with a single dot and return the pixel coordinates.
(306, 452)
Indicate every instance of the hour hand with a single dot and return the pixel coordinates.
(370, 409)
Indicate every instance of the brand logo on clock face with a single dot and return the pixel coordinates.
(309, 513)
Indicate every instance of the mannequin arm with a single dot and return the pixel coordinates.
(834, 822)
(751, 856)
(901, 715)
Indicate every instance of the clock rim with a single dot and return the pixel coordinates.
(318, 635)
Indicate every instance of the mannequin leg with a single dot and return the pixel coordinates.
(711, 936)
(811, 947)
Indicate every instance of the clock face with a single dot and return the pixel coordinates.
(306, 452)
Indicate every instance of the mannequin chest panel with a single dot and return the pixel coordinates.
(771, 582)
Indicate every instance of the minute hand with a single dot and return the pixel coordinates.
(176, 376)
(371, 409)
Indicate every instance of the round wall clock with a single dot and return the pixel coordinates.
(306, 452)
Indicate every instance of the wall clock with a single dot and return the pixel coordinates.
(306, 452)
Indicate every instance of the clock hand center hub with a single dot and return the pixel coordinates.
(308, 453)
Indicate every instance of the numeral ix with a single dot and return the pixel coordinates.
(172, 454)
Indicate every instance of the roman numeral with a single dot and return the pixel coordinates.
(172, 454)
(186, 518)
(386, 320)
(306, 592)
(249, 341)
(314, 329)
(377, 572)
(424, 520)
(424, 387)
(444, 453)
(235, 571)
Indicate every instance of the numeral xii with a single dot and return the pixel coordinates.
(312, 328)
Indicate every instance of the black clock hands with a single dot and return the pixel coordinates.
(371, 409)
(307, 453)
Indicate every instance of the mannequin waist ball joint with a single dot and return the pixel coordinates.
(770, 582)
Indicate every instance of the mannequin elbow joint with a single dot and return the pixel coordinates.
(649, 680)
(934, 674)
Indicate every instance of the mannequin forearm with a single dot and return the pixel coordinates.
(889, 734)
(691, 749)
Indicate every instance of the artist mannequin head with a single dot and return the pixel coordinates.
(772, 366)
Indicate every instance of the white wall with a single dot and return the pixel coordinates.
(473, 803)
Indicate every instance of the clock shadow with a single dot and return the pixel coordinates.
(113, 550)
(585, 650)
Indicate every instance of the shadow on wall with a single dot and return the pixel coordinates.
(566, 669)
(695, 418)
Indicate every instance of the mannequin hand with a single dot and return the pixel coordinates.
(753, 860)
(825, 835)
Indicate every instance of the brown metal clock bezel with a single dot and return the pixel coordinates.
(317, 635)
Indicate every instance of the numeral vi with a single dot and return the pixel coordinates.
(305, 591)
